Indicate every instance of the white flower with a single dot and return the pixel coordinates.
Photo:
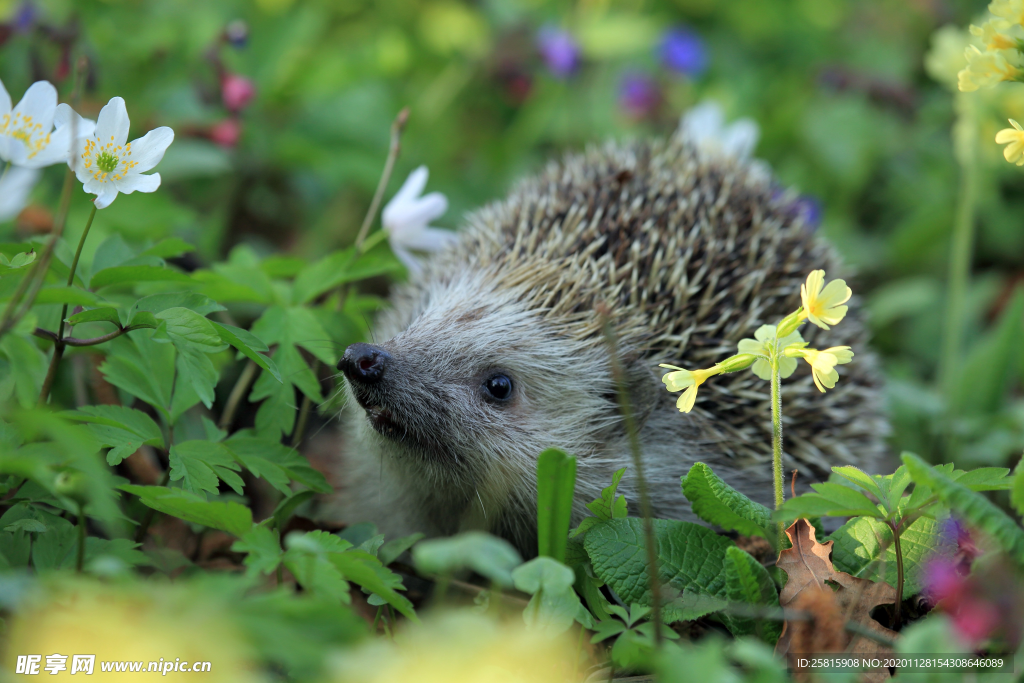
(15, 185)
(704, 125)
(106, 163)
(406, 219)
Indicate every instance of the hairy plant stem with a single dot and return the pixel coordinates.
(777, 475)
(397, 126)
(650, 542)
(965, 135)
(896, 530)
(58, 346)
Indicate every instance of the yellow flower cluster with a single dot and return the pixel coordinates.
(776, 347)
(1002, 37)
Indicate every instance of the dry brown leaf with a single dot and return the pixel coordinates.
(808, 565)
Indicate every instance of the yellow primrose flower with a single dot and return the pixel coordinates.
(989, 68)
(823, 304)
(997, 34)
(688, 380)
(1010, 10)
(823, 363)
(1013, 138)
(760, 347)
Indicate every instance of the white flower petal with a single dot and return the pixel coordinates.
(429, 239)
(138, 182)
(15, 186)
(93, 186)
(740, 138)
(418, 213)
(148, 150)
(5, 100)
(412, 264)
(108, 195)
(75, 160)
(411, 189)
(112, 123)
(66, 116)
(703, 122)
(39, 102)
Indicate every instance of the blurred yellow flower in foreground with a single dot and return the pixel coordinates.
(1009, 10)
(1013, 138)
(460, 648)
(689, 380)
(128, 624)
(989, 68)
(823, 304)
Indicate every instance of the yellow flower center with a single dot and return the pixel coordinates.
(109, 160)
(25, 129)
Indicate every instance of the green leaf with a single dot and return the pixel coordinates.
(554, 605)
(367, 571)
(863, 545)
(487, 555)
(984, 479)
(196, 370)
(556, 482)
(185, 325)
(248, 344)
(122, 275)
(230, 517)
(26, 367)
(276, 462)
(392, 550)
(263, 548)
(971, 506)
(748, 582)
(608, 506)
(861, 479)
(1017, 494)
(839, 503)
(717, 503)
(26, 524)
(199, 464)
(987, 371)
(846, 498)
(307, 558)
(691, 558)
(194, 301)
(287, 507)
(62, 294)
(121, 429)
(169, 248)
(96, 315)
(337, 269)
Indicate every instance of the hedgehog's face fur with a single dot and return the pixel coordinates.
(468, 388)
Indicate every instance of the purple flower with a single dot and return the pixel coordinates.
(683, 51)
(559, 51)
(237, 33)
(639, 95)
(25, 17)
(810, 209)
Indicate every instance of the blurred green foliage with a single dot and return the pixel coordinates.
(848, 115)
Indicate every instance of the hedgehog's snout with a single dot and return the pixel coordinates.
(364, 363)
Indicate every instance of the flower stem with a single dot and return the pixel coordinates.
(58, 347)
(896, 530)
(777, 437)
(965, 145)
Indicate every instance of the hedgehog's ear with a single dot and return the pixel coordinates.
(643, 389)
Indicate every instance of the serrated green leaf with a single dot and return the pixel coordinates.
(169, 248)
(312, 568)
(748, 582)
(691, 558)
(123, 275)
(96, 315)
(196, 370)
(338, 268)
(556, 483)
(277, 462)
(984, 479)
(27, 368)
(487, 555)
(717, 503)
(263, 547)
(285, 509)
(846, 498)
(185, 325)
(199, 464)
(121, 429)
(608, 506)
(230, 517)
(970, 505)
(367, 571)
(194, 301)
(248, 344)
(863, 545)
(392, 550)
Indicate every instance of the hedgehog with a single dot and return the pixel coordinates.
(494, 352)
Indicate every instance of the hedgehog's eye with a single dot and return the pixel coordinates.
(498, 387)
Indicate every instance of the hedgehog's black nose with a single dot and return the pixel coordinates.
(364, 363)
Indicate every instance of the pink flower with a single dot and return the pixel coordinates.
(942, 580)
(237, 91)
(976, 620)
(226, 132)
